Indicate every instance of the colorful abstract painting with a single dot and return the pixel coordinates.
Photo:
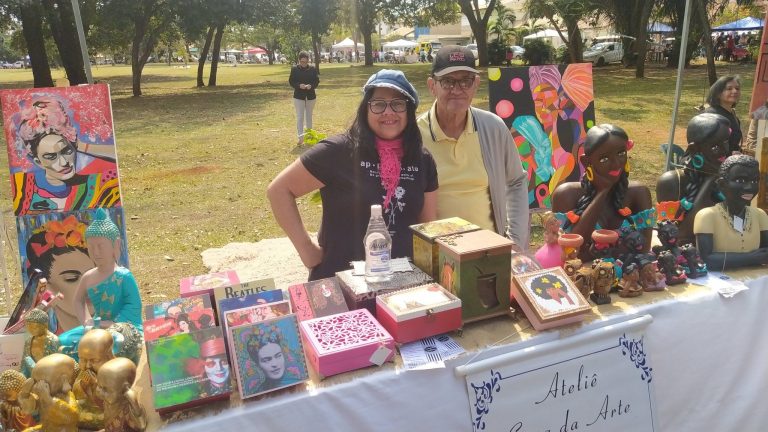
(548, 110)
(268, 355)
(61, 148)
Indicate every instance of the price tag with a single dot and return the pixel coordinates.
(738, 224)
(380, 355)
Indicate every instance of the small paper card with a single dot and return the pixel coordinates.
(380, 355)
(429, 353)
(725, 285)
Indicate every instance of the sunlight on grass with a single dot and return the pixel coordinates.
(195, 163)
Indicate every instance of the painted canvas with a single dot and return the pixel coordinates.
(172, 308)
(55, 243)
(549, 298)
(61, 148)
(548, 110)
(184, 322)
(188, 369)
(268, 355)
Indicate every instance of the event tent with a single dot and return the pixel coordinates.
(660, 28)
(748, 23)
(552, 35)
(400, 44)
(347, 45)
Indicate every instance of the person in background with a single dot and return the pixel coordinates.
(722, 99)
(379, 160)
(479, 167)
(750, 142)
(304, 79)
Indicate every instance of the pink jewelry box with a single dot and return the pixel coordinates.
(317, 298)
(419, 312)
(205, 284)
(344, 342)
(361, 294)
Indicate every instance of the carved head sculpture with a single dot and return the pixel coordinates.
(667, 233)
(707, 136)
(739, 180)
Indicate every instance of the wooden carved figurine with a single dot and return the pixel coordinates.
(12, 417)
(122, 411)
(580, 276)
(603, 275)
(571, 243)
(49, 394)
(41, 341)
(630, 281)
(650, 278)
(94, 349)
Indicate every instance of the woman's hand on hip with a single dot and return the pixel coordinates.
(311, 255)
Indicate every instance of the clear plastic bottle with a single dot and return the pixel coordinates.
(378, 248)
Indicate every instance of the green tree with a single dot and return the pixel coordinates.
(501, 26)
(30, 15)
(478, 17)
(316, 19)
(567, 13)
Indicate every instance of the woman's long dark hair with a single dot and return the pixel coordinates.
(596, 137)
(700, 128)
(364, 140)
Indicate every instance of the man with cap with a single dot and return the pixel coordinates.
(380, 160)
(481, 176)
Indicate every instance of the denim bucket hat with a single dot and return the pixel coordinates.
(393, 79)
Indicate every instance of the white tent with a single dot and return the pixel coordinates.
(552, 35)
(400, 44)
(347, 45)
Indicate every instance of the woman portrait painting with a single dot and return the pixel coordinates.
(61, 150)
(55, 244)
(269, 356)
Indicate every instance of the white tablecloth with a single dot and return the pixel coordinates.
(709, 359)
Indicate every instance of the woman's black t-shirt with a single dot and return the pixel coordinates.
(352, 185)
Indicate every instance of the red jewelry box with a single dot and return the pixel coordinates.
(361, 294)
(343, 342)
(317, 298)
(419, 312)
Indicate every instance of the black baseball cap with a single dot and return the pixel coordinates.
(452, 58)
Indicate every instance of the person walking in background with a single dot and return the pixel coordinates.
(304, 79)
(722, 99)
(750, 143)
(378, 160)
(482, 178)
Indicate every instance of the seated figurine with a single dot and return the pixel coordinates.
(12, 418)
(41, 341)
(605, 198)
(630, 281)
(122, 411)
(692, 186)
(732, 233)
(686, 256)
(49, 394)
(94, 349)
(551, 254)
(603, 275)
(694, 266)
(650, 278)
(580, 276)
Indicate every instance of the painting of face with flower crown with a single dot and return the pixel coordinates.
(61, 148)
(268, 355)
(548, 109)
(55, 244)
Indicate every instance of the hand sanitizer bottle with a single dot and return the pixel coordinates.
(378, 248)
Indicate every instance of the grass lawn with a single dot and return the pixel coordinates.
(195, 163)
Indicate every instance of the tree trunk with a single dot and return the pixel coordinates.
(30, 14)
(368, 43)
(143, 43)
(701, 11)
(642, 35)
(316, 42)
(204, 56)
(215, 55)
(575, 48)
(61, 19)
(479, 26)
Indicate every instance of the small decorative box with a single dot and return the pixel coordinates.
(343, 342)
(425, 251)
(317, 298)
(361, 294)
(205, 284)
(475, 266)
(419, 312)
(549, 298)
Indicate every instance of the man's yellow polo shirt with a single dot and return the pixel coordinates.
(463, 190)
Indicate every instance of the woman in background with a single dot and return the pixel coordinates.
(304, 80)
(722, 99)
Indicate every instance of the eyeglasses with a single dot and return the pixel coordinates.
(450, 84)
(378, 106)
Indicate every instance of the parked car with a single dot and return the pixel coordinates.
(517, 51)
(473, 48)
(603, 53)
(16, 65)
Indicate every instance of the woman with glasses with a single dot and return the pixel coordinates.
(378, 160)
